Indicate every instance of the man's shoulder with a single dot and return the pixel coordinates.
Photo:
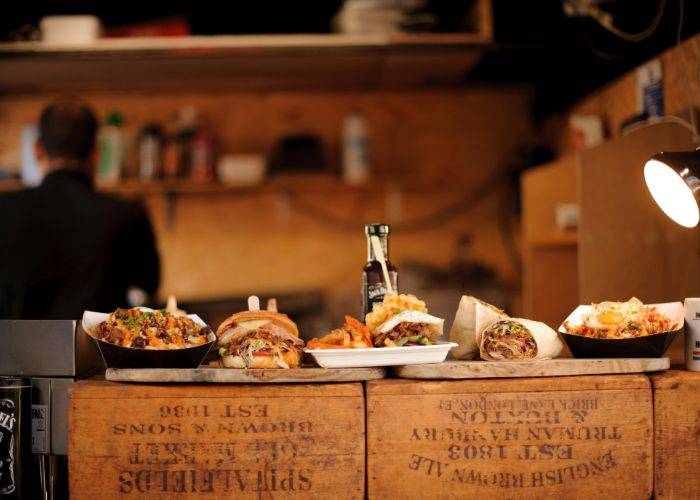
(17, 199)
(102, 206)
(127, 210)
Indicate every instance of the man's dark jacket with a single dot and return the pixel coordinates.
(65, 248)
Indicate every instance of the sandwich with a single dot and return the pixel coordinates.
(259, 339)
(402, 320)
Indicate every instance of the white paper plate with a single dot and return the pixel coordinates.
(381, 356)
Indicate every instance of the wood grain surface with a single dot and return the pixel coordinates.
(235, 376)
(545, 246)
(453, 369)
(216, 441)
(571, 437)
(450, 141)
(676, 434)
(626, 242)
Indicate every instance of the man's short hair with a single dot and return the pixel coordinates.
(67, 130)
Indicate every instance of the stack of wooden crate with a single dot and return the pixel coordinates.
(609, 436)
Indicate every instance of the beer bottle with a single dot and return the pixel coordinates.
(373, 286)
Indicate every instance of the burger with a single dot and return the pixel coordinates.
(259, 339)
(402, 320)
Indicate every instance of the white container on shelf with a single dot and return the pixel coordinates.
(241, 170)
(69, 30)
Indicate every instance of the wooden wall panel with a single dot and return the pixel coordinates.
(628, 246)
(550, 255)
(616, 102)
(543, 188)
(551, 284)
(444, 143)
(227, 247)
(438, 136)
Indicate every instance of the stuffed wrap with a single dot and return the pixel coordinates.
(473, 315)
(516, 338)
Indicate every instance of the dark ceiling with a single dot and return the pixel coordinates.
(566, 58)
(563, 58)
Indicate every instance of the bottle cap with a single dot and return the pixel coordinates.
(151, 129)
(377, 229)
(114, 118)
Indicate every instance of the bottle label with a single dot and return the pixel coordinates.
(373, 293)
(8, 422)
(40, 429)
(376, 292)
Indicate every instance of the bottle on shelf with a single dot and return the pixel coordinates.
(111, 157)
(355, 148)
(202, 155)
(150, 152)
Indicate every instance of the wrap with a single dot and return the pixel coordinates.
(473, 315)
(517, 338)
(408, 328)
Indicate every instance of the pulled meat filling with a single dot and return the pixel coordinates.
(508, 340)
(262, 342)
(403, 330)
(150, 330)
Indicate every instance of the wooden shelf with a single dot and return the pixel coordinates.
(10, 185)
(257, 43)
(236, 62)
(280, 184)
(555, 241)
(300, 183)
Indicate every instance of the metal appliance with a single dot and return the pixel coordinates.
(53, 354)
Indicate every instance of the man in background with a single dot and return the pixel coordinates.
(65, 248)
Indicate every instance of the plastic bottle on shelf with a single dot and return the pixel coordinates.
(202, 156)
(185, 131)
(171, 157)
(355, 145)
(150, 152)
(111, 157)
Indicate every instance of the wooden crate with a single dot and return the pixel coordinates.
(573, 437)
(676, 434)
(243, 441)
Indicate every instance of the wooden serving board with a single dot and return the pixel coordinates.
(454, 369)
(216, 375)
